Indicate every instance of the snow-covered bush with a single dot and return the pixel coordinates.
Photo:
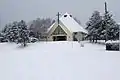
(112, 45)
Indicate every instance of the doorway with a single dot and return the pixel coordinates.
(59, 38)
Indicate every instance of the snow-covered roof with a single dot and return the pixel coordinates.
(71, 24)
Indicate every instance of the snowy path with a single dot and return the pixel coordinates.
(58, 61)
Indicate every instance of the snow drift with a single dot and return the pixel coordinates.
(58, 61)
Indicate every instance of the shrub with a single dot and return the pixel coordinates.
(112, 45)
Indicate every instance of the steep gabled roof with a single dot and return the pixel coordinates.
(71, 24)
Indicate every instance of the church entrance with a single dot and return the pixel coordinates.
(59, 34)
(59, 38)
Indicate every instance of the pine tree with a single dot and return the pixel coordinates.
(109, 27)
(102, 27)
(93, 26)
(23, 36)
(5, 31)
(14, 32)
(11, 32)
(117, 31)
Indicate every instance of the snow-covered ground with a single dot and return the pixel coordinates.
(58, 61)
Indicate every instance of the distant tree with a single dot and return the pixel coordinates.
(93, 26)
(39, 27)
(23, 36)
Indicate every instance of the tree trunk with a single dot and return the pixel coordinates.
(96, 39)
(24, 43)
(90, 39)
(93, 39)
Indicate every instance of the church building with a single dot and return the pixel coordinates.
(67, 29)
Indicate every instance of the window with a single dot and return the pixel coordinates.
(65, 15)
(70, 15)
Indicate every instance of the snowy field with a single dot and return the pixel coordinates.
(58, 61)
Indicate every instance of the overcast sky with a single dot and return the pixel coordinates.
(15, 10)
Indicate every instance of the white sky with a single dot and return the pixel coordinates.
(15, 10)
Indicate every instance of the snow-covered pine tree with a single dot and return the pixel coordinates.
(14, 32)
(93, 26)
(109, 27)
(5, 29)
(117, 31)
(7, 32)
(23, 36)
(11, 32)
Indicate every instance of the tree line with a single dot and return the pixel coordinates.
(102, 27)
(21, 32)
